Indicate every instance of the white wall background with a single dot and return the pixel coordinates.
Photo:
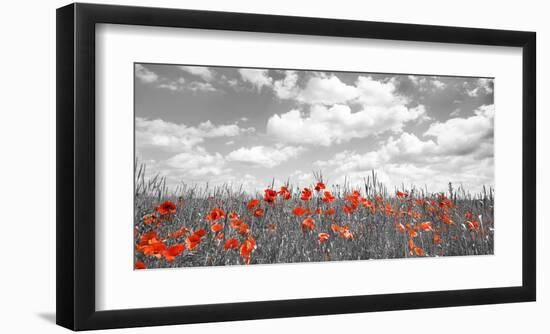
(27, 165)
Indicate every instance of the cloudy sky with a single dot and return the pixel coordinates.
(197, 124)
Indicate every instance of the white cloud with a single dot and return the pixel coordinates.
(427, 84)
(196, 86)
(486, 84)
(286, 88)
(330, 90)
(325, 126)
(233, 82)
(170, 86)
(144, 74)
(302, 179)
(459, 150)
(463, 135)
(473, 92)
(409, 147)
(201, 71)
(435, 173)
(415, 79)
(258, 78)
(326, 90)
(350, 161)
(405, 148)
(481, 86)
(182, 85)
(179, 137)
(438, 84)
(264, 156)
(376, 93)
(330, 118)
(196, 164)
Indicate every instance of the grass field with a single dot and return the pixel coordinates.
(215, 226)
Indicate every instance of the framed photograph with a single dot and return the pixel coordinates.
(246, 166)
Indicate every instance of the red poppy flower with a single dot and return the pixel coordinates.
(171, 253)
(259, 212)
(216, 228)
(220, 236)
(379, 198)
(231, 244)
(468, 215)
(388, 209)
(411, 244)
(320, 186)
(444, 202)
(323, 237)
(178, 233)
(285, 193)
(437, 239)
(244, 229)
(426, 226)
(150, 219)
(140, 265)
(400, 227)
(329, 212)
(366, 202)
(235, 223)
(270, 196)
(347, 234)
(447, 220)
(154, 249)
(306, 194)
(412, 232)
(319, 211)
(401, 194)
(215, 214)
(246, 249)
(166, 208)
(194, 238)
(419, 251)
(299, 211)
(328, 197)
(150, 245)
(147, 237)
(252, 203)
(335, 228)
(353, 199)
(233, 216)
(308, 224)
(414, 214)
(348, 209)
(472, 225)
(193, 241)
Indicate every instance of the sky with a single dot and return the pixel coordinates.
(247, 127)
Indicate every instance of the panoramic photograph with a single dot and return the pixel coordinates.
(244, 166)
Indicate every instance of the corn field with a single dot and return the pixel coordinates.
(224, 225)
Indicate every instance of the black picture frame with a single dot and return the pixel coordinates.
(75, 233)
